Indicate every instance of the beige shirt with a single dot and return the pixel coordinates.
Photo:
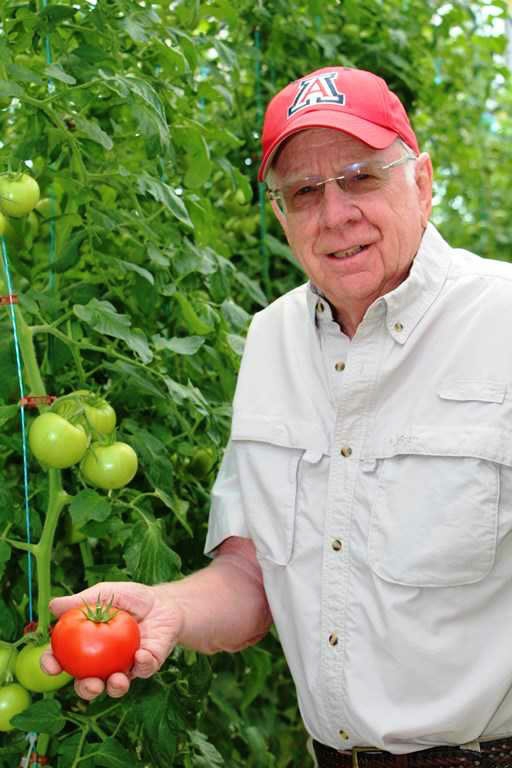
(374, 476)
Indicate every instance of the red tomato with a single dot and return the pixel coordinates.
(95, 641)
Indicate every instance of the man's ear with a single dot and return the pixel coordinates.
(424, 186)
(280, 217)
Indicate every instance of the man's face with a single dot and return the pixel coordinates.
(353, 248)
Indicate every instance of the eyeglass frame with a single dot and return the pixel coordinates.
(276, 194)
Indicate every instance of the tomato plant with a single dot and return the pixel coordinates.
(56, 442)
(19, 194)
(13, 700)
(109, 466)
(30, 675)
(95, 641)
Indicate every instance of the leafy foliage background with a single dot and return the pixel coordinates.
(140, 279)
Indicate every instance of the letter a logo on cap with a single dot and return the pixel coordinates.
(320, 89)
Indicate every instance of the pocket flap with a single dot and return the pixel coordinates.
(474, 441)
(473, 389)
(300, 434)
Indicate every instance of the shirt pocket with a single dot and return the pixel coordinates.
(269, 455)
(434, 516)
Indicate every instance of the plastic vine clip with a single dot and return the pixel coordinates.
(12, 298)
(34, 401)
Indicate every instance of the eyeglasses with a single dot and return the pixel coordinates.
(355, 179)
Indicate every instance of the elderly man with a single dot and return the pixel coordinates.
(364, 501)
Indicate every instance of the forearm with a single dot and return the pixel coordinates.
(224, 607)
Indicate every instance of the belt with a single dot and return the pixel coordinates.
(492, 753)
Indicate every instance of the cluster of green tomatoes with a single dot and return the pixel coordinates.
(79, 428)
(20, 676)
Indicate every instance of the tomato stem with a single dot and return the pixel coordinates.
(57, 500)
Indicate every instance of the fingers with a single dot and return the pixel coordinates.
(135, 598)
(145, 664)
(89, 688)
(49, 663)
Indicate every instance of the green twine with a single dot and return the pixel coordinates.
(261, 186)
(24, 437)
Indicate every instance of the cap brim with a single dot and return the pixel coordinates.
(374, 135)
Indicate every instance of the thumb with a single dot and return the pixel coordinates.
(135, 598)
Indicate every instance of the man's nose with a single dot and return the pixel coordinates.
(337, 206)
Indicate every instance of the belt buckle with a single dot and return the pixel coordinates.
(357, 750)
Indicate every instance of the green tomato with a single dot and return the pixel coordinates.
(55, 442)
(101, 417)
(201, 463)
(29, 673)
(13, 700)
(19, 194)
(109, 466)
(47, 208)
(8, 654)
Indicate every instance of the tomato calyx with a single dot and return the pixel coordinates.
(102, 612)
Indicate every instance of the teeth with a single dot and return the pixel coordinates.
(349, 252)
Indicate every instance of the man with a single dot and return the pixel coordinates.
(363, 504)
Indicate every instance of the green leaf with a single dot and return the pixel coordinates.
(143, 90)
(8, 412)
(277, 248)
(153, 455)
(8, 88)
(42, 717)
(237, 343)
(149, 558)
(160, 732)
(236, 315)
(70, 254)
(162, 193)
(5, 554)
(178, 506)
(193, 322)
(140, 383)
(186, 345)
(258, 669)
(129, 266)
(111, 754)
(56, 72)
(104, 319)
(198, 164)
(206, 756)
(182, 392)
(92, 131)
(252, 287)
(89, 505)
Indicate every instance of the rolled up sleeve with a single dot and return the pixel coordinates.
(227, 517)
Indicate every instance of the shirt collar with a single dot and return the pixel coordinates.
(408, 303)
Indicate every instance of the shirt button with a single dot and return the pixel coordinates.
(346, 451)
(320, 306)
(344, 735)
(340, 366)
(336, 544)
(398, 327)
(333, 639)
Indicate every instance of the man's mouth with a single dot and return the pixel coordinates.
(348, 252)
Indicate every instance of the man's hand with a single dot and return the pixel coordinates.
(160, 623)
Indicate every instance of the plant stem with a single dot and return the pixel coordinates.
(31, 370)
(57, 500)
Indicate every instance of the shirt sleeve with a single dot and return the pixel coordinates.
(227, 517)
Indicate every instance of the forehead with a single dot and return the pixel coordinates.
(308, 151)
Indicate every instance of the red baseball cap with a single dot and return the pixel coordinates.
(354, 101)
